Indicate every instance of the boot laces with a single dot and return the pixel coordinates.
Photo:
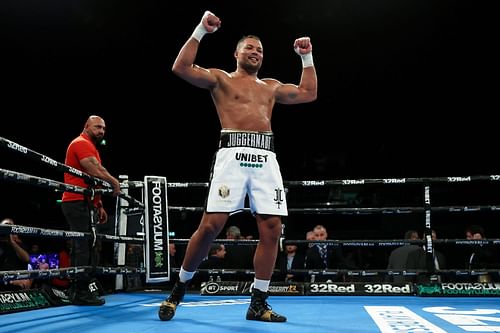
(261, 306)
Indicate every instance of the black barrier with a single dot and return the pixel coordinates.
(217, 288)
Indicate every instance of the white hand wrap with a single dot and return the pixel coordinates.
(200, 30)
(307, 59)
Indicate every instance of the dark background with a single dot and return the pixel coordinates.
(406, 89)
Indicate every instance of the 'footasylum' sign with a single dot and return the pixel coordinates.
(459, 289)
(13, 301)
(156, 216)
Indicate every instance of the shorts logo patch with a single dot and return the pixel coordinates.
(224, 191)
(278, 200)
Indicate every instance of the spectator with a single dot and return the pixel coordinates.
(322, 256)
(238, 255)
(291, 259)
(310, 235)
(481, 256)
(399, 257)
(13, 256)
(215, 257)
(64, 262)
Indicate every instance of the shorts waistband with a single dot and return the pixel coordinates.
(247, 139)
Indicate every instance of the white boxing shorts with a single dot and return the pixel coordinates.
(246, 164)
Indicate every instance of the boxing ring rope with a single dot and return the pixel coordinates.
(33, 180)
(6, 229)
(365, 210)
(354, 243)
(51, 162)
(19, 177)
(346, 182)
(67, 271)
(23, 178)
